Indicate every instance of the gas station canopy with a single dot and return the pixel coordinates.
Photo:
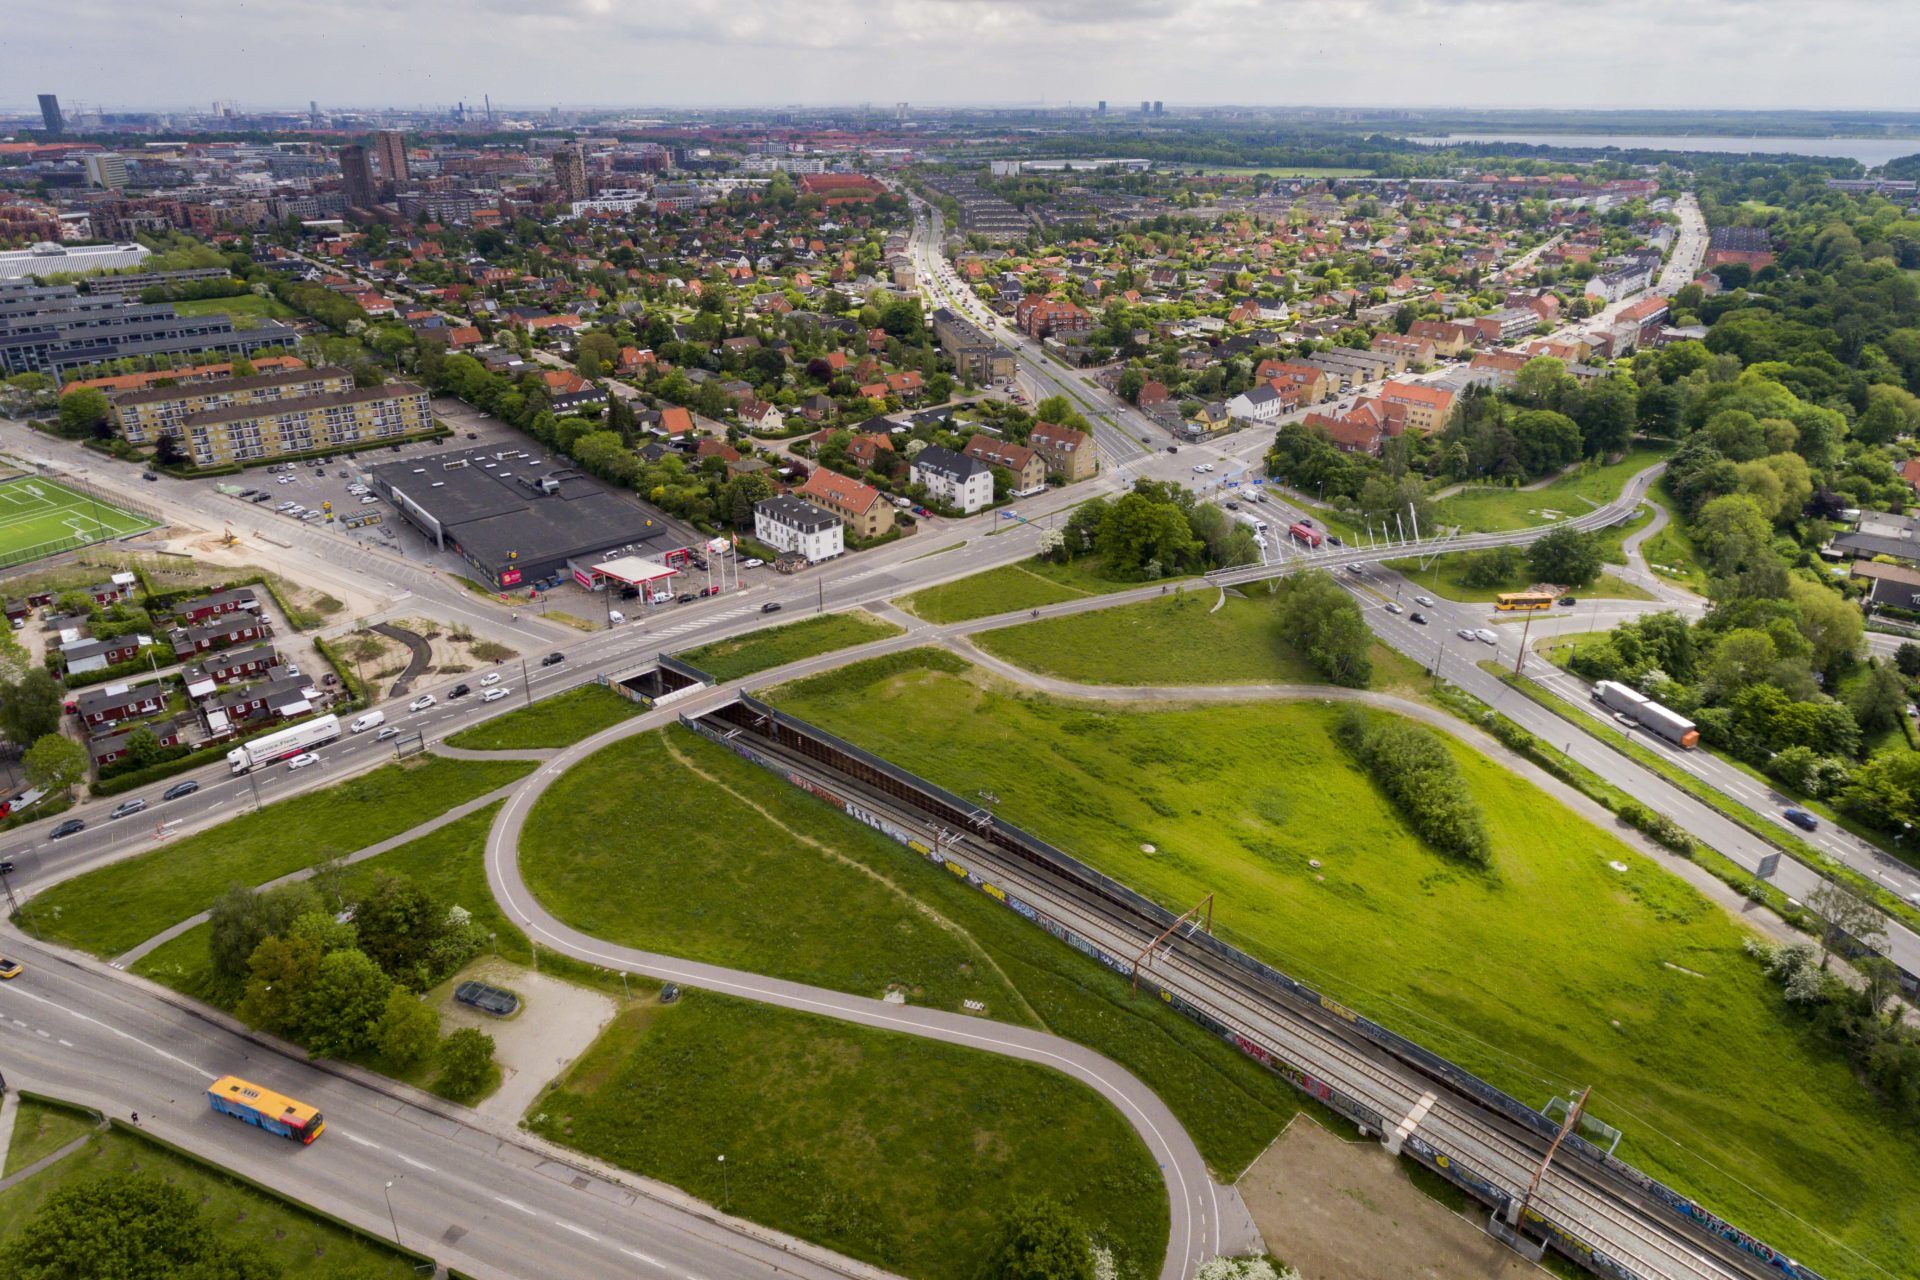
(634, 570)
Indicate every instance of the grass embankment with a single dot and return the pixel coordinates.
(743, 869)
(1671, 554)
(117, 907)
(1444, 576)
(40, 1129)
(1648, 996)
(897, 1150)
(559, 721)
(1026, 585)
(777, 646)
(1155, 643)
(1493, 509)
(298, 1242)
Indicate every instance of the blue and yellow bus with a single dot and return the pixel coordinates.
(276, 1113)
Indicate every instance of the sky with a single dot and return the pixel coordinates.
(175, 54)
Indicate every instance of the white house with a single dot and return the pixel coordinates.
(955, 479)
(790, 525)
(1261, 404)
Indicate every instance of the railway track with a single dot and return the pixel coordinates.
(1632, 1233)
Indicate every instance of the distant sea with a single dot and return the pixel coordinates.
(1868, 151)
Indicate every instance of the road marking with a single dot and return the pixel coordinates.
(67, 1044)
(579, 1231)
(415, 1163)
(359, 1140)
(515, 1204)
(646, 1258)
(191, 1066)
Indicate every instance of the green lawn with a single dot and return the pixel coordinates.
(1647, 997)
(39, 1130)
(1280, 171)
(1491, 509)
(559, 721)
(1442, 578)
(1671, 554)
(897, 1150)
(298, 1242)
(1025, 585)
(247, 310)
(111, 909)
(777, 646)
(712, 876)
(1175, 641)
(39, 517)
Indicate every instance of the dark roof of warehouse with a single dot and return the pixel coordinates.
(490, 501)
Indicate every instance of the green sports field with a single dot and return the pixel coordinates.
(39, 517)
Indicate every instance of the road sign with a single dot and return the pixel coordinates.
(1769, 863)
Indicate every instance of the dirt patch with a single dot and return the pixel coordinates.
(1315, 1196)
(554, 1025)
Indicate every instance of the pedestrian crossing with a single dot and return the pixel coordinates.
(702, 622)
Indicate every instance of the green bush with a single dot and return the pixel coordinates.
(1413, 766)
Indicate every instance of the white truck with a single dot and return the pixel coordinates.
(283, 743)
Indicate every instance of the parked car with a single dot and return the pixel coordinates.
(302, 760)
(148, 475)
(421, 703)
(553, 659)
(1464, 633)
(751, 563)
(771, 606)
(127, 808)
(685, 596)
(494, 695)
(71, 827)
(179, 789)
(1801, 818)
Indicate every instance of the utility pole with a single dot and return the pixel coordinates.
(821, 585)
(1573, 1118)
(526, 684)
(1525, 628)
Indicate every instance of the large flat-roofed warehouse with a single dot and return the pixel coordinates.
(517, 516)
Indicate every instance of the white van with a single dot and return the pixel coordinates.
(371, 720)
(615, 618)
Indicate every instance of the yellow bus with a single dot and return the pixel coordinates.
(1507, 601)
(274, 1112)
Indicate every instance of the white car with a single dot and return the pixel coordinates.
(367, 501)
(1198, 468)
(302, 760)
(494, 695)
(1207, 467)
(1465, 634)
(492, 677)
(751, 563)
(1488, 636)
(422, 702)
(391, 731)
(1425, 600)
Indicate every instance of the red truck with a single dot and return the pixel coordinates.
(1307, 534)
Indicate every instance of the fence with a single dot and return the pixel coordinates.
(55, 549)
(748, 715)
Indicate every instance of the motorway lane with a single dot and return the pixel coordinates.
(476, 1196)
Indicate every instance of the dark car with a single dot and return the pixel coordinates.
(71, 827)
(1420, 618)
(1801, 818)
(771, 606)
(553, 659)
(1569, 601)
(473, 435)
(685, 596)
(127, 808)
(1335, 541)
(1233, 506)
(261, 497)
(1173, 448)
(148, 475)
(629, 593)
(459, 691)
(179, 789)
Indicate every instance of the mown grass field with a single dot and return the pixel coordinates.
(894, 1149)
(246, 309)
(1671, 554)
(1553, 972)
(559, 721)
(777, 646)
(1490, 509)
(39, 1130)
(1026, 585)
(1443, 576)
(299, 1242)
(743, 869)
(1155, 643)
(111, 909)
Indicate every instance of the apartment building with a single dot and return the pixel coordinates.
(799, 528)
(146, 414)
(974, 353)
(1028, 468)
(1425, 408)
(961, 482)
(362, 415)
(865, 509)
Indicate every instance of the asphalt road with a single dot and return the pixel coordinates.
(475, 1195)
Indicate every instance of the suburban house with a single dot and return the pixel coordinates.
(1449, 338)
(789, 525)
(961, 482)
(117, 702)
(1071, 453)
(110, 747)
(1426, 408)
(1895, 585)
(97, 655)
(201, 608)
(120, 587)
(1311, 382)
(865, 509)
(1039, 316)
(1259, 404)
(1028, 468)
(225, 668)
(282, 696)
(222, 633)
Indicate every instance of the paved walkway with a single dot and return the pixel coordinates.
(43, 1162)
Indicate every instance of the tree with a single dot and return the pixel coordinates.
(243, 918)
(1131, 380)
(1845, 915)
(1497, 568)
(55, 762)
(1321, 621)
(1831, 625)
(82, 411)
(740, 495)
(1543, 383)
(1907, 658)
(30, 706)
(1545, 440)
(340, 1010)
(1565, 556)
(1607, 413)
(167, 451)
(1137, 532)
(466, 1062)
(1879, 701)
(1737, 539)
(128, 1227)
(279, 972)
(1042, 1241)
(409, 1029)
(397, 922)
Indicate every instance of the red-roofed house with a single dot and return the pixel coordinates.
(864, 509)
(1426, 408)
(1028, 467)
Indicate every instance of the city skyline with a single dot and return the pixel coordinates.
(1340, 53)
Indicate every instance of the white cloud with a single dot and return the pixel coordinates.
(118, 53)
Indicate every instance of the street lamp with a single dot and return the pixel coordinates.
(388, 1192)
(725, 1199)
